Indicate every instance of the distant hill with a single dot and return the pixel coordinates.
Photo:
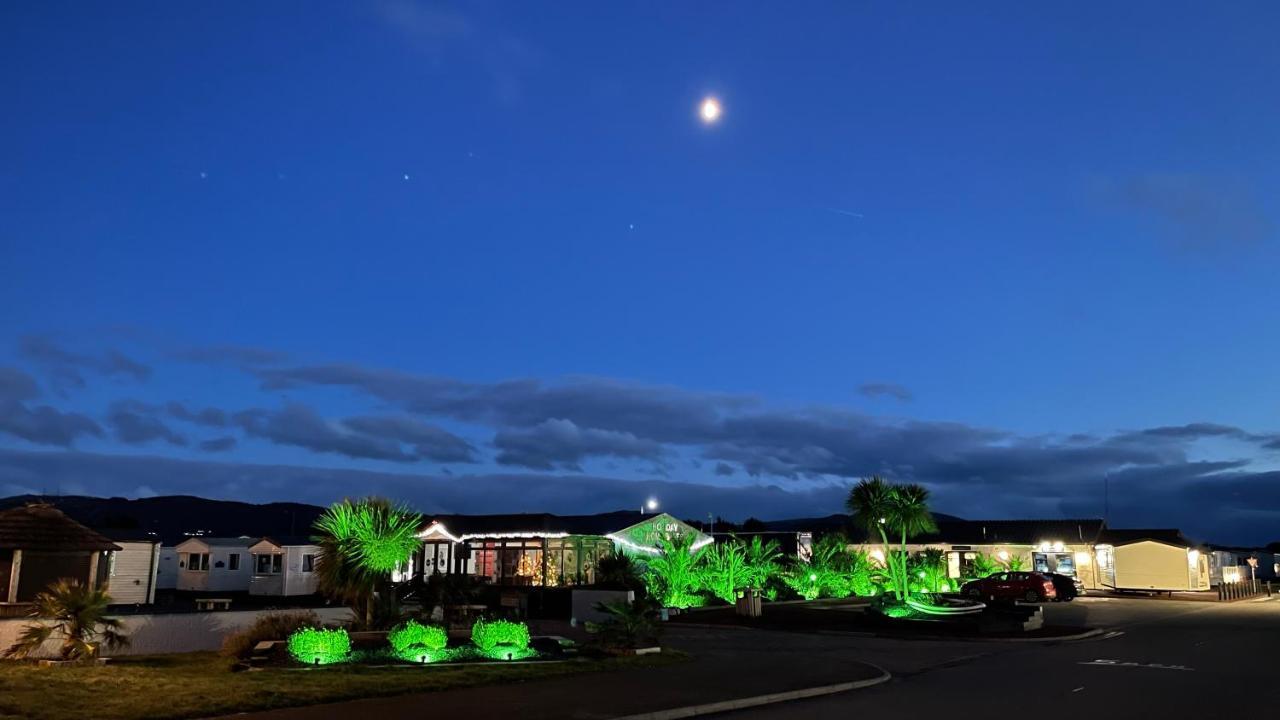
(172, 517)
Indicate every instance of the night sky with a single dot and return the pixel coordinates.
(488, 257)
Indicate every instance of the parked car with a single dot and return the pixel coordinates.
(1067, 586)
(1028, 586)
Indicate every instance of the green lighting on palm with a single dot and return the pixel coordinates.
(361, 542)
(881, 508)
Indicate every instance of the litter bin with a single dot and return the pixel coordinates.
(748, 603)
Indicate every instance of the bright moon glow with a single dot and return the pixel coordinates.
(710, 110)
(653, 503)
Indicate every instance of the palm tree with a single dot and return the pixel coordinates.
(909, 515)
(75, 613)
(762, 562)
(901, 509)
(629, 625)
(725, 569)
(871, 502)
(361, 542)
(672, 574)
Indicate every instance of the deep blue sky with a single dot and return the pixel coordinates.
(1004, 250)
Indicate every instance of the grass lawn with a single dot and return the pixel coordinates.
(202, 685)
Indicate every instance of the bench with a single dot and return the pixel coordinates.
(207, 604)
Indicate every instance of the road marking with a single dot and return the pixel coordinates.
(1118, 663)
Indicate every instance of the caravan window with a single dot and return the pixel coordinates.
(269, 564)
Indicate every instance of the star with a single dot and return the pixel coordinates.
(632, 226)
(406, 176)
(203, 175)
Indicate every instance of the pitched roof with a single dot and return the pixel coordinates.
(241, 542)
(1169, 536)
(287, 540)
(1019, 532)
(540, 523)
(45, 528)
(1000, 532)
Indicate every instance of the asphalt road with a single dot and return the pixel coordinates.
(1165, 659)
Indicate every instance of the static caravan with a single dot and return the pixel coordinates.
(132, 570)
(284, 566)
(214, 564)
(1156, 560)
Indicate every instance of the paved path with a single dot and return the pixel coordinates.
(729, 664)
(1173, 660)
(1166, 656)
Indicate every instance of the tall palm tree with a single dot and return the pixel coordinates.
(75, 613)
(361, 542)
(871, 502)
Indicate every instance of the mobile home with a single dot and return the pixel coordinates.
(1161, 560)
(283, 566)
(132, 570)
(213, 564)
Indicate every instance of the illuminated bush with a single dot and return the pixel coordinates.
(500, 636)
(414, 634)
(317, 646)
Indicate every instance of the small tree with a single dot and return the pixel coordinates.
(361, 542)
(629, 625)
(77, 615)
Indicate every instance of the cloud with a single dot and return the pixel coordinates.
(42, 424)
(397, 439)
(724, 469)
(64, 366)
(301, 426)
(1197, 211)
(661, 413)
(234, 355)
(877, 390)
(208, 417)
(106, 475)
(429, 442)
(559, 443)
(135, 423)
(221, 444)
(546, 425)
(17, 386)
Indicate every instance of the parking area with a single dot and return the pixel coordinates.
(1170, 658)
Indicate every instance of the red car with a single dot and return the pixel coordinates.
(1028, 586)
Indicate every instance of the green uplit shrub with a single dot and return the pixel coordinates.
(317, 646)
(499, 636)
(674, 575)
(414, 634)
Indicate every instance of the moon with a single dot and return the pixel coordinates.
(710, 110)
